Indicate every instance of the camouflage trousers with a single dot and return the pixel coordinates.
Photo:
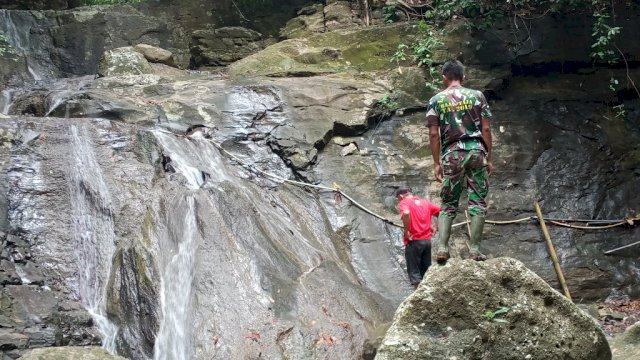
(462, 167)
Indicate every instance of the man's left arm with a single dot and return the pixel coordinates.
(485, 124)
(486, 136)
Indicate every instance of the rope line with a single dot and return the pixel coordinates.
(304, 184)
(336, 189)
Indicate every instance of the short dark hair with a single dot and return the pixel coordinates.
(403, 190)
(453, 70)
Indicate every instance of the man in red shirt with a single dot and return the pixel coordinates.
(416, 214)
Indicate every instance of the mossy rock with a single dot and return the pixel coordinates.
(362, 49)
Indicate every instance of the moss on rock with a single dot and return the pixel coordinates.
(362, 49)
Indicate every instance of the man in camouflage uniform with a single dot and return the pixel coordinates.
(460, 138)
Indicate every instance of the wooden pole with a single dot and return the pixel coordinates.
(552, 251)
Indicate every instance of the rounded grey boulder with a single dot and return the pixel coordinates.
(155, 54)
(495, 310)
(70, 353)
(123, 61)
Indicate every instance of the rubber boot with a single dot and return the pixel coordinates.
(444, 231)
(476, 226)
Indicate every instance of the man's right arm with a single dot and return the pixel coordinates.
(406, 222)
(434, 143)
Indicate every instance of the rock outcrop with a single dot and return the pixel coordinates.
(490, 310)
(225, 45)
(365, 49)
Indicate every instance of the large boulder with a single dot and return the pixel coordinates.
(70, 353)
(155, 54)
(123, 61)
(225, 45)
(627, 345)
(454, 314)
(310, 20)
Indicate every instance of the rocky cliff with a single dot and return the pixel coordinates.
(115, 199)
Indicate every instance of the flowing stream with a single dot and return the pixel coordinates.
(93, 231)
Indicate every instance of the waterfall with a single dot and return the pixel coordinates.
(5, 101)
(93, 231)
(193, 157)
(19, 39)
(173, 340)
(64, 90)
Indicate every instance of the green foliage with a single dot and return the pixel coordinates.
(620, 111)
(484, 14)
(492, 315)
(389, 101)
(603, 34)
(613, 83)
(421, 51)
(109, 2)
(389, 14)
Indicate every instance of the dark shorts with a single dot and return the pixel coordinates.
(418, 256)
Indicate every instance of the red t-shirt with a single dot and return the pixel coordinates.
(420, 211)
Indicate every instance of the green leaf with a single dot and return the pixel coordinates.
(502, 310)
(501, 321)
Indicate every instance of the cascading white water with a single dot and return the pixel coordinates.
(173, 340)
(5, 101)
(63, 90)
(93, 231)
(19, 39)
(192, 156)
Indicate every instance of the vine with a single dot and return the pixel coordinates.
(485, 14)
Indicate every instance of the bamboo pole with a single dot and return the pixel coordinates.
(466, 215)
(552, 252)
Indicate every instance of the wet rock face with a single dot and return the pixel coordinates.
(283, 301)
(134, 298)
(35, 316)
(454, 313)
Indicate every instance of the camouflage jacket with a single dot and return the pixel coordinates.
(458, 111)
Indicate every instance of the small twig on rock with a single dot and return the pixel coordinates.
(626, 64)
(239, 12)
